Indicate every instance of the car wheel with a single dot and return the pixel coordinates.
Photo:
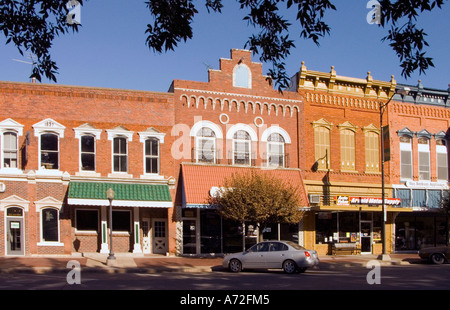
(289, 266)
(235, 265)
(437, 258)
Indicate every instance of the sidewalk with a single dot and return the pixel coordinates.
(129, 263)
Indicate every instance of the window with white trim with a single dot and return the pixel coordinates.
(87, 152)
(49, 151)
(10, 150)
(275, 150)
(424, 159)
(241, 148)
(406, 167)
(442, 160)
(152, 155)
(50, 225)
(206, 146)
(120, 154)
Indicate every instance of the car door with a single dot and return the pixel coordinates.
(255, 257)
(276, 255)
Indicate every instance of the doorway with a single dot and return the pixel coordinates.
(15, 237)
(159, 227)
(366, 237)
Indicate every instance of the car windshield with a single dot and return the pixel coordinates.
(295, 245)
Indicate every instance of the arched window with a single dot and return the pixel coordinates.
(50, 225)
(322, 147)
(241, 148)
(87, 153)
(372, 151)
(347, 149)
(242, 76)
(275, 150)
(10, 150)
(120, 154)
(50, 151)
(442, 160)
(206, 145)
(152, 155)
(424, 159)
(406, 168)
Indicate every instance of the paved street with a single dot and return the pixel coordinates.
(330, 276)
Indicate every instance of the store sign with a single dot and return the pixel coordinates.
(348, 200)
(426, 185)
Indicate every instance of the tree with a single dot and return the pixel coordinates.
(32, 25)
(258, 197)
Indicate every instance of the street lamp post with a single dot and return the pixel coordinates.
(402, 91)
(110, 195)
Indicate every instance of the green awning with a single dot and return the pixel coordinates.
(126, 194)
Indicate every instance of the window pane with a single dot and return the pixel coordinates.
(406, 165)
(121, 221)
(49, 225)
(419, 198)
(442, 166)
(120, 146)
(88, 162)
(87, 220)
(88, 144)
(49, 142)
(424, 166)
(49, 160)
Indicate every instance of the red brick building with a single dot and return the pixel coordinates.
(419, 126)
(233, 123)
(62, 147)
(342, 167)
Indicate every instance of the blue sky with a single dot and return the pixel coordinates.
(110, 51)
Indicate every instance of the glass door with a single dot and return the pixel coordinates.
(366, 237)
(15, 237)
(189, 236)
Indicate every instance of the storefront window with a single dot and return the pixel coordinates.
(210, 232)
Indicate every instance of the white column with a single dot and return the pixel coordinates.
(136, 228)
(104, 230)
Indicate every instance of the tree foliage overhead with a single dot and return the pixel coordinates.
(260, 198)
(32, 25)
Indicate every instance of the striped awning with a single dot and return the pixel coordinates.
(126, 194)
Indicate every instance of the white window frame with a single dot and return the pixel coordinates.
(120, 132)
(49, 203)
(442, 150)
(85, 130)
(406, 147)
(143, 137)
(424, 149)
(282, 154)
(198, 144)
(10, 126)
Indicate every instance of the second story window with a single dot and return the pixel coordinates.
(152, 155)
(10, 150)
(424, 159)
(87, 153)
(120, 154)
(406, 168)
(241, 148)
(206, 146)
(275, 150)
(49, 151)
(442, 160)
(372, 151)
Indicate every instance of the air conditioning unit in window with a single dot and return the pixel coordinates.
(314, 198)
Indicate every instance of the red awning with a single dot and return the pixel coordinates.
(198, 180)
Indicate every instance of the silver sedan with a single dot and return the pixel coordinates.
(285, 255)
